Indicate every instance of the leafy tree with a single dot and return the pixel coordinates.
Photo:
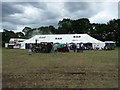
(74, 26)
(20, 35)
(45, 30)
(81, 26)
(29, 33)
(26, 30)
(99, 31)
(65, 26)
(52, 29)
(6, 35)
(113, 30)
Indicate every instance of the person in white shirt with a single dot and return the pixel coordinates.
(81, 47)
(78, 47)
(55, 47)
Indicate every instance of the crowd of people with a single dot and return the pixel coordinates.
(79, 47)
(57, 47)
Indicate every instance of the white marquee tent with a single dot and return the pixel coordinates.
(65, 38)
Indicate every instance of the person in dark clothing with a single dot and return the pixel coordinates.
(74, 47)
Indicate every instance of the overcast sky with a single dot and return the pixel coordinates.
(17, 15)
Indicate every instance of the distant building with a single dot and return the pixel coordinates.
(14, 43)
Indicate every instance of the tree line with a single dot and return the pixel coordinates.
(104, 32)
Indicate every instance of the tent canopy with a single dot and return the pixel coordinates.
(66, 38)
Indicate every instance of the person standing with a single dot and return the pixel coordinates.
(74, 47)
(30, 49)
(54, 47)
(81, 47)
(78, 47)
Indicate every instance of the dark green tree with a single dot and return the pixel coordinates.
(65, 26)
(81, 26)
(6, 35)
(113, 30)
(20, 35)
(26, 31)
(45, 30)
(99, 31)
(52, 29)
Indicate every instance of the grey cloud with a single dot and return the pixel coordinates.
(12, 20)
(40, 5)
(9, 8)
(0, 13)
(83, 9)
(51, 15)
(119, 10)
(76, 6)
(9, 26)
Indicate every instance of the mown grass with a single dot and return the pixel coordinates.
(90, 69)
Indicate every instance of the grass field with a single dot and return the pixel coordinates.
(90, 69)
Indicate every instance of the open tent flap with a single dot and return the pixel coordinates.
(22, 45)
(100, 45)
